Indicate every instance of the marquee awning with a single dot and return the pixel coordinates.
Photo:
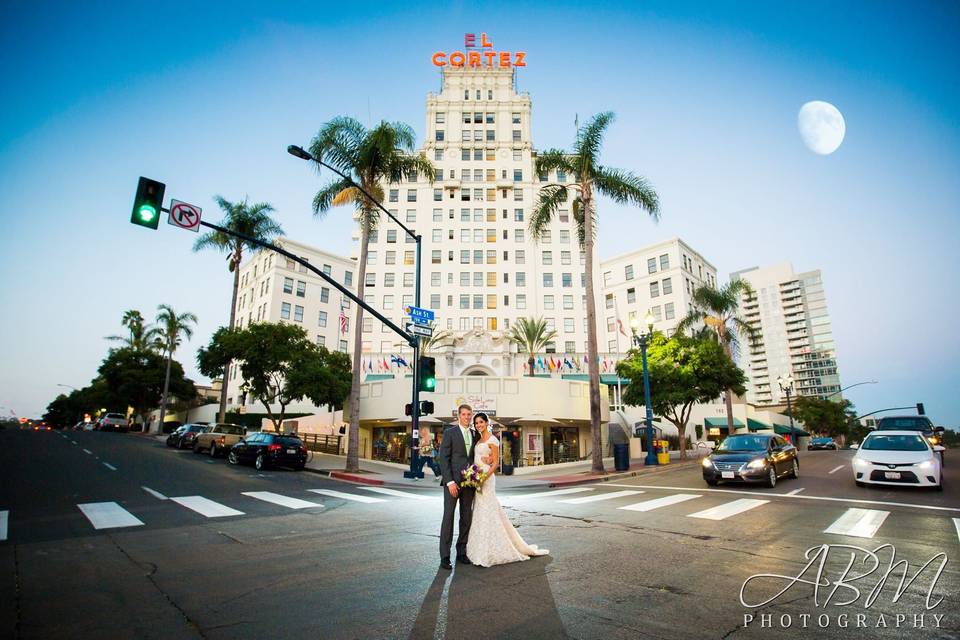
(605, 378)
(722, 422)
(376, 377)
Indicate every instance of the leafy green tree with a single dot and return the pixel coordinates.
(683, 372)
(172, 327)
(61, 412)
(719, 311)
(531, 336)
(280, 365)
(252, 220)
(370, 158)
(136, 379)
(824, 417)
(590, 179)
(142, 336)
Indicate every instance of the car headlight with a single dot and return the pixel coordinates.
(926, 464)
(758, 463)
(861, 463)
(934, 440)
(707, 463)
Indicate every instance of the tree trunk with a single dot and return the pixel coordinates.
(729, 393)
(530, 364)
(166, 388)
(353, 437)
(593, 367)
(238, 255)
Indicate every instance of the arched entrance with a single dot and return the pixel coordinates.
(477, 370)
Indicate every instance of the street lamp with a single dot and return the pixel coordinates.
(786, 386)
(850, 387)
(641, 341)
(67, 386)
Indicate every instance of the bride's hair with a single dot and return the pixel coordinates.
(482, 416)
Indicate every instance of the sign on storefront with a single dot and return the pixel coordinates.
(478, 403)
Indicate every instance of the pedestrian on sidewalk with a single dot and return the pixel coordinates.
(428, 452)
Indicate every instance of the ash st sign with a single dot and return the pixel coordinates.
(418, 315)
(184, 215)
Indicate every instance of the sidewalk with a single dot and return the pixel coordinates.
(375, 472)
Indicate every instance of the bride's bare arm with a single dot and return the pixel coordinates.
(494, 458)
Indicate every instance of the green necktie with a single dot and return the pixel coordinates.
(467, 439)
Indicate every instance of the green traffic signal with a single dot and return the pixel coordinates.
(147, 203)
(428, 374)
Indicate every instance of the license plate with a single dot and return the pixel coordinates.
(726, 474)
(294, 451)
(891, 475)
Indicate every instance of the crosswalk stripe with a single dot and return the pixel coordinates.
(836, 469)
(400, 494)
(724, 511)
(155, 494)
(859, 523)
(656, 503)
(346, 496)
(956, 524)
(108, 515)
(4, 519)
(88, 452)
(206, 507)
(600, 496)
(548, 494)
(109, 466)
(283, 501)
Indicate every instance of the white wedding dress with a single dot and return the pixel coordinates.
(493, 540)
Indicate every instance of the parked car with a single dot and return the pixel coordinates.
(897, 458)
(922, 424)
(822, 443)
(268, 450)
(114, 422)
(183, 437)
(169, 426)
(218, 439)
(751, 458)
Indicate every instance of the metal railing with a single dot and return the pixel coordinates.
(321, 443)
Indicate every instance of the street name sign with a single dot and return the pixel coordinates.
(419, 330)
(184, 215)
(418, 315)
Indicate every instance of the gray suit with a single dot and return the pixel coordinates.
(453, 458)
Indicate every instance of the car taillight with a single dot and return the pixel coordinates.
(303, 449)
(274, 447)
(222, 439)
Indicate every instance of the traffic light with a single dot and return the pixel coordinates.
(148, 203)
(920, 409)
(426, 407)
(428, 374)
(408, 409)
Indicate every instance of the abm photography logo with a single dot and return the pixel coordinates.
(845, 582)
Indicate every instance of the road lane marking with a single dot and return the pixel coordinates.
(794, 492)
(155, 494)
(206, 507)
(843, 466)
(88, 452)
(600, 496)
(283, 501)
(74, 441)
(783, 495)
(956, 524)
(4, 520)
(109, 466)
(656, 503)
(724, 511)
(547, 494)
(346, 496)
(400, 494)
(859, 523)
(108, 515)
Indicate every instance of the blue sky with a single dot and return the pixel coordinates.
(706, 94)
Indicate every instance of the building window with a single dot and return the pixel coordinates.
(521, 278)
(371, 257)
(566, 280)
(548, 257)
(441, 117)
(411, 195)
(518, 235)
(568, 325)
(654, 289)
(667, 286)
(631, 296)
(517, 155)
(628, 272)
(389, 279)
(548, 303)
(519, 256)
(348, 278)
(438, 135)
(546, 237)
(435, 256)
(606, 278)
(518, 195)
(478, 302)
(464, 301)
(284, 310)
(394, 195)
(516, 135)
(288, 285)
(664, 262)
(343, 346)
(561, 175)
(564, 236)
(390, 257)
(322, 320)
(464, 155)
(521, 301)
(568, 302)
(388, 302)
(548, 280)
(321, 341)
(437, 195)
(652, 265)
(609, 301)
(564, 257)
(434, 300)
(391, 236)
(491, 301)
(518, 175)
(408, 279)
(438, 155)
(371, 280)
(657, 313)
(668, 311)
(301, 289)
(298, 314)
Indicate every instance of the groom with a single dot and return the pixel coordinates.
(456, 453)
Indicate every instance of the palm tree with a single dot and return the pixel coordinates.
(142, 338)
(531, 336)
(590, 179)
(718, 310)
(251, 220)
(435, 341)
(172, 327)
(369, 157)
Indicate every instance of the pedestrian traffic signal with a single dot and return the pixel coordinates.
(426, 408)
(148, 203)
(428, 374)
(408, 409)
(920, 409)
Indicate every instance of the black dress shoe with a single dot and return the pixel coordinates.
(445, 564)
(463, 560)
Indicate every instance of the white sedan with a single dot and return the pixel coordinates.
(903, 458)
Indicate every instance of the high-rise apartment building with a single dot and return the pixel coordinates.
(794, 336)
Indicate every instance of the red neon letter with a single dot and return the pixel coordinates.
(457, 58)
(504, 58)
(439, 59)
(518, 61)
(490, 55)
(470, 40)
(473, 58)
(486, 44)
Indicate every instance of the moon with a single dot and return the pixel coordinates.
(821, 126)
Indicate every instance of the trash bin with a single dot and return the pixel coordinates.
(663, 452)
(621, 457)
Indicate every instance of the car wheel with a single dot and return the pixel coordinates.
(213, 450)
(795, 471)
(711, 482)
(232, 458)
(772, 477)
(260, 463)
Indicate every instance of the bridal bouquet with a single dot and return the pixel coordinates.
(474, 476)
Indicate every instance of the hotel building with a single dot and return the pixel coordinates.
(788, 311)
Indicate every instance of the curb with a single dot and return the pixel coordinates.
(340, 475)
(620, 476)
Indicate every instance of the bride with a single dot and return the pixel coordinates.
(493, 540)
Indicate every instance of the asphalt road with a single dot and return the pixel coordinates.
(205, 550)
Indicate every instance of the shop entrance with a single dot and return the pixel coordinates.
(390, 444)
(564, 445)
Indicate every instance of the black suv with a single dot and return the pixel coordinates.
(268, 450)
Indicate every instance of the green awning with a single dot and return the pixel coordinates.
(756, 425)
(582, 377)
(376, 377)
(605, 378)
(721, 422)
(784, 429)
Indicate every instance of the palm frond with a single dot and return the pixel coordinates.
(548, 201)
(338, 143)
(347, 196)
(625, 188)
(553, 160)
(589, 141)
(325, 197)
